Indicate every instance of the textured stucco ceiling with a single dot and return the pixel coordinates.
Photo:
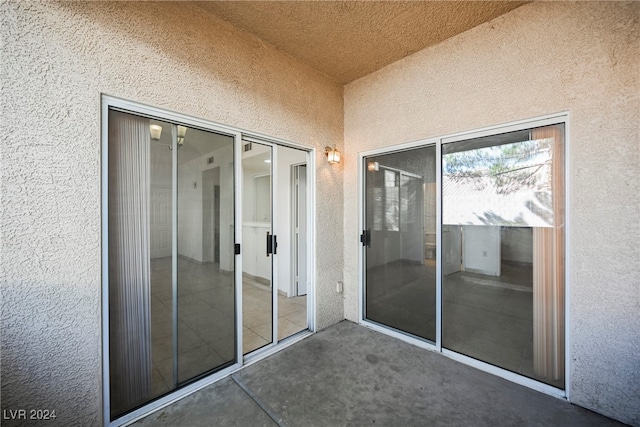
(346, 40)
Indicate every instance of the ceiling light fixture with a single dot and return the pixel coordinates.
(182, 131)
(156, 133)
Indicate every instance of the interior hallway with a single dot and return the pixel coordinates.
(351, 375)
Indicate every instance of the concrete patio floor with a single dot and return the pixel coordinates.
(350, 375)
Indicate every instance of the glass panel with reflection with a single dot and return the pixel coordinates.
(400, 205)
(206, 293)
(257, 283)
(503, 251)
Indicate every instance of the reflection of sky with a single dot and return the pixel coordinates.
(472, 196)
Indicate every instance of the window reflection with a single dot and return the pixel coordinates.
(400, 259)
(503, 251)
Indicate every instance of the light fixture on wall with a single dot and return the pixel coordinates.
(333, 155)
(156, 133)
(373, 166)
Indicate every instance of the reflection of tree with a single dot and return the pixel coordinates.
(492, 218)
(509, 167)
(541, 207)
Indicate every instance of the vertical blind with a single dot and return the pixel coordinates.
(129, 261)
(548, 270)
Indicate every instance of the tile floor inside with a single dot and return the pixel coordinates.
(206, 319)
(489, 318)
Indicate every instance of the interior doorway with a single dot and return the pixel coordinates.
(211, 215)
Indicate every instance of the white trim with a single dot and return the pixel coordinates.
(507, 375)
(550, 119)
(170, 116)
(293, 208)
(268, 350)
(237, 225)
(439, 245)
(174, 252)
(403, 336)
(311, 239)
(362, 271)
(293, 212)
(398, 147)
(361, 168)
(267, 140)
(275, 285)
(104, 225)
(567, 260)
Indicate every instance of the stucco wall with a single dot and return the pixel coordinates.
(539, 59)
(57, 58)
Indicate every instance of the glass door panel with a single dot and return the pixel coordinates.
(291, 227)
(399, 241)
(257, 247)
(161, 241)
(205, 285)
(170, 257)
(503, 251)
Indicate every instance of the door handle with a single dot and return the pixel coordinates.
(269, 244)
(365, 238)
(272, 244)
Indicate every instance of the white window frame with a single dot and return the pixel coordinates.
(110, 102)
(551, 119)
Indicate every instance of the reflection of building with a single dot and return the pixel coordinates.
(538, 59)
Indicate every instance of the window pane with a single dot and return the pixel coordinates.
(206, 294)
(144, 313)
(503, 251)
(400, 255)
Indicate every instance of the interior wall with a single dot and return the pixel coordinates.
(481, 249)
(516, 244)
(58, 57)
(254, 260)
(190, 205)
(542, 58)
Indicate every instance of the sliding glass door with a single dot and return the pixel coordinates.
(399, 241)
(205, 246)
(500, 198)
(274, 234)
(171, 266)
(503, 268)
(260, 247)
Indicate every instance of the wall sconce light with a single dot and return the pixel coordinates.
(155, 131)
(333, 155)
(373, 166)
